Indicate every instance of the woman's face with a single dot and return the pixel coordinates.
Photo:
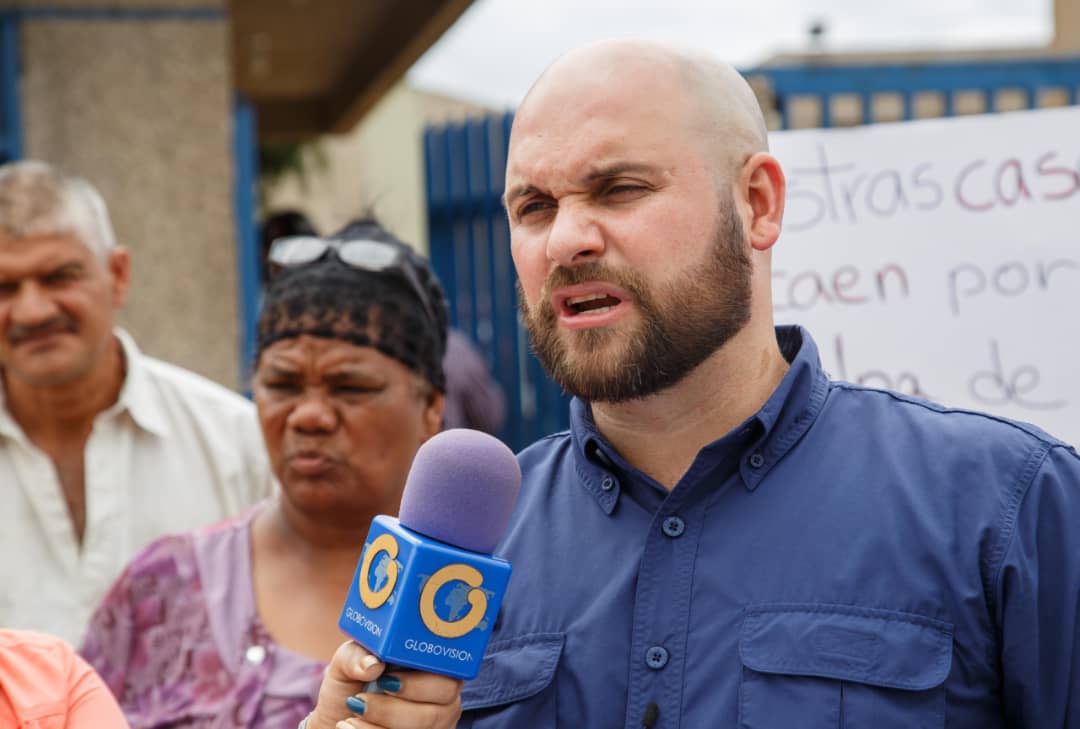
(341, 423)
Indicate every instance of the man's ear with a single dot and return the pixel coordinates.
(762, 181)
(119, 266)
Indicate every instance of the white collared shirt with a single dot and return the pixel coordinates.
(175, 452)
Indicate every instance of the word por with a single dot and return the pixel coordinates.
(968, 281)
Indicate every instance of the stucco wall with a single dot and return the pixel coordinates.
(143, 108)
(1067, 26)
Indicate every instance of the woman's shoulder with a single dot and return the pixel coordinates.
(166, 559)
(37, 654)
(46, 677)
(177, 556)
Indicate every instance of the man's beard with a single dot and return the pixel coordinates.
(681, 327)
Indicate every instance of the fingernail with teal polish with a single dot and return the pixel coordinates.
(389, 683)
(356, 706)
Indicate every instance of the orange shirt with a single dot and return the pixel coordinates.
(45, 685)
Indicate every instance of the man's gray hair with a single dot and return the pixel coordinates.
(37, 199)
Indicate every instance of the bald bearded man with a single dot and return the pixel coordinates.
(726, 537)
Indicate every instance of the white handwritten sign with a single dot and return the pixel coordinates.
(941, 258)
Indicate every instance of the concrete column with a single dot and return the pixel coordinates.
(141, 105)
(1067, 26)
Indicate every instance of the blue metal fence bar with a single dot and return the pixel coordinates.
(248, 253)
(785, 113)
(949, 108)
(457, 188)
(826, 111)
(489, 219)
(487, 222)
(510, 336)
(909, 105)
(10, 101)
(867, 101)
(475, 153)
(513, 348)
(440, 243)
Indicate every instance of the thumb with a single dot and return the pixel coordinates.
(353, 662)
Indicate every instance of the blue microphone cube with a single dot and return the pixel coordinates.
(421, 603)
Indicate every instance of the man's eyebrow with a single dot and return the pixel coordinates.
(517, 191)
(605, 172)
(596, 173)
(69, 267)
(282, 370)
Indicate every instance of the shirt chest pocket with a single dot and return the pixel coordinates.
(841, 667)
(515, 686)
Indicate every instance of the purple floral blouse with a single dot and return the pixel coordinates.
(179, 643)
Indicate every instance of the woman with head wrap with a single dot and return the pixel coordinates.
(232, 626)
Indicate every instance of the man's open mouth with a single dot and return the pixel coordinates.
(591, 303)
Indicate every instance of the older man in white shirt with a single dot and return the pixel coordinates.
(102, 449)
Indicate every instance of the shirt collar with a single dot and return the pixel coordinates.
(138, 396)
(779, 424)
(8, 427)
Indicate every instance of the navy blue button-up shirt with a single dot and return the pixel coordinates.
(847, 557)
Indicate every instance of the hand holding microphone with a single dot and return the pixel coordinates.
(422, 699)
(427, 590)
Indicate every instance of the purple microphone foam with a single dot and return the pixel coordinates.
(461, 489)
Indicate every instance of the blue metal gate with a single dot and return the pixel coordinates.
(469, 235)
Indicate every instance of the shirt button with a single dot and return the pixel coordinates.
(255, 655)
(608, 483)
(673, 526)
(656, 657)
(757, 460)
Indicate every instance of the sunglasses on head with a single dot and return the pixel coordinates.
(363, 254)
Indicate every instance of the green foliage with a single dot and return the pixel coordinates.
(279, 160)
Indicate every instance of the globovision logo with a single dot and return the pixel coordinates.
(476, 597)
(435, 649)
(383, 544)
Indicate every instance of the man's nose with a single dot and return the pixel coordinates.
(313, 414)
(574, 237)
(32, 305)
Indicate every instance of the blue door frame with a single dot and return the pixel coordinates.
(469, 235)
(10, 117)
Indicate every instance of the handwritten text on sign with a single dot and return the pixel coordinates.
(941, 258)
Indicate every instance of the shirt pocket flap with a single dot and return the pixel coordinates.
(877, 647)
(514, 669)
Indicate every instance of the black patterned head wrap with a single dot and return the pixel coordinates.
(328, 298)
